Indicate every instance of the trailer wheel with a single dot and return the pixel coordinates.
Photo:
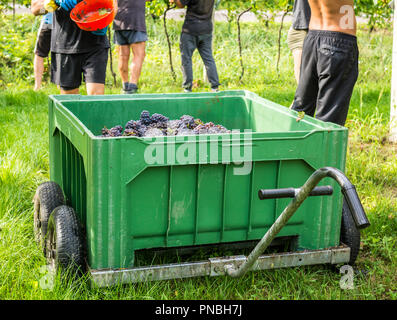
(350, 234)
(64, 244)
(48, 196)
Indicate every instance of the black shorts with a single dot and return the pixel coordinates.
(67, 69)
(329, 71)
(43, 42)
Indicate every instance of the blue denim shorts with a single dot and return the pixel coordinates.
(125, 37)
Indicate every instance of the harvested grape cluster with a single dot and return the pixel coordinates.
(159, 125)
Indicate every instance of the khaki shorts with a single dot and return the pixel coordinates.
(295, 38)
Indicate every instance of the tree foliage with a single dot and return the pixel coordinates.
(378, 12)
(9, 4)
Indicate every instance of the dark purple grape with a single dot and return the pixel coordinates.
(137, 126)
(105, 132)
(113, 132)
(160, 125)
(157, 117)
(132, 124)
(116, 131)
(188, 122)
(145, 118)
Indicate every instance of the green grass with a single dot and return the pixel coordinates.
(371, 166)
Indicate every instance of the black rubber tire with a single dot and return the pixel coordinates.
(48, 196)
(349, 233)
(64, 242)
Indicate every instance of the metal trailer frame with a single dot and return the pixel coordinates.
(217, 266)
(237, 266)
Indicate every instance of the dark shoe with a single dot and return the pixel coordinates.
(126, 87)
(131, 88)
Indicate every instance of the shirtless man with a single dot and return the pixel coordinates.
(329, 68)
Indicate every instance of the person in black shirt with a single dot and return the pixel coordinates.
(197, 34)
(75, 54)
(298, 31)
(130, 35)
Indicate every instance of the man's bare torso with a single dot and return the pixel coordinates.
(333, 15)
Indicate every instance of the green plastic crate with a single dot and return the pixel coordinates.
(197, 194)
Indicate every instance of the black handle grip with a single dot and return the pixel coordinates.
(355, 206)
(291, 192)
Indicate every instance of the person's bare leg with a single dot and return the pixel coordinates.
(297, 54)
(95, 88)
(124, 56)
(38, 67)
(73, 91)
(138, 50)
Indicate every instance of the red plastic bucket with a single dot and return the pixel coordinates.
(93, 15)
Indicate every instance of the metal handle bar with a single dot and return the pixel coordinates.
(350, 196)
(292, 192)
